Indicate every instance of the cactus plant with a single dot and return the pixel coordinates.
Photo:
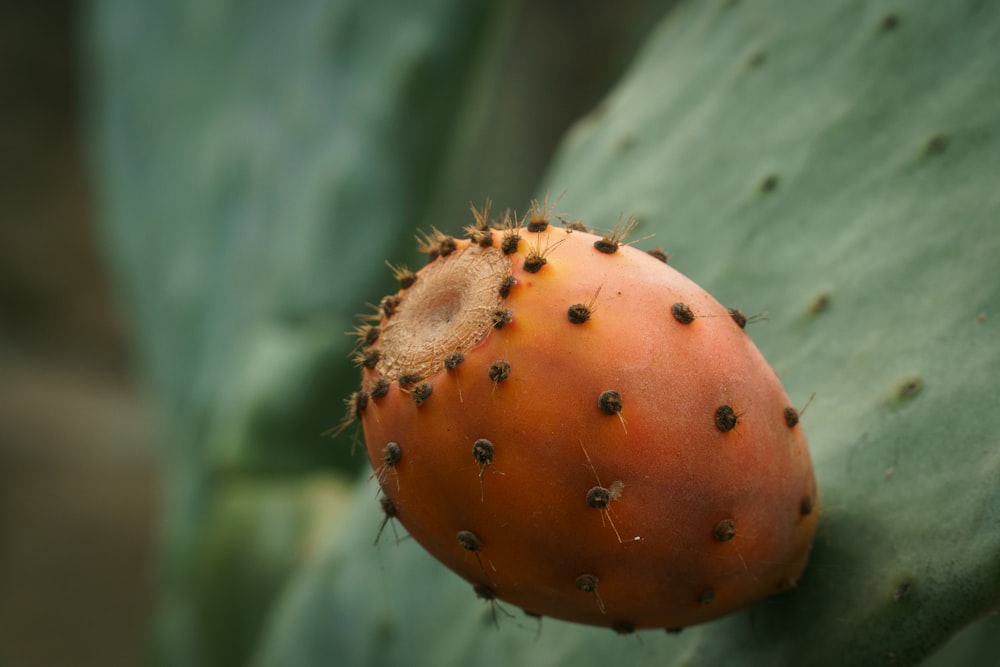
(783, 171)
(830, 164)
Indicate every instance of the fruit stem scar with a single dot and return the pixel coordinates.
(453, 306)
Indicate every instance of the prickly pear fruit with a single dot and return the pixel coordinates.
(578, 429)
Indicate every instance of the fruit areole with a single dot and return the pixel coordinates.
(578, 429)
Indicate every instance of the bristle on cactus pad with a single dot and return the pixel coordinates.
(565, 408)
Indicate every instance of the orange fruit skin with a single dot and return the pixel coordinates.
(674, 473)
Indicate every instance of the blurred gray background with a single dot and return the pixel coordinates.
(78, 478)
